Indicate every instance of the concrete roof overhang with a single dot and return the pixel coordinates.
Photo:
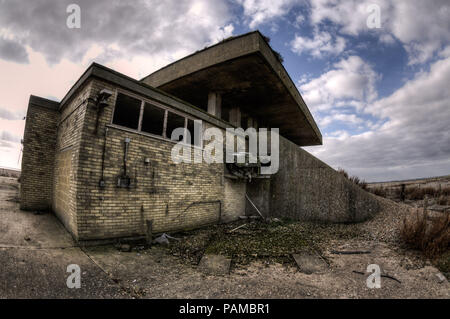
(248, 74)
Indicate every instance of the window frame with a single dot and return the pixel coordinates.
(166, 113)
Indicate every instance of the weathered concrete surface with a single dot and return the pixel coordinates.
(306, 188)
(35, 251)
(250, 76)
(41, 273)
(215, 264)
(27, 229)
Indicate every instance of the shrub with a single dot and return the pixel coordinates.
(355, 179)
(443, 200)
(418, 193)
(379, 191)
(429, 234)
(445, 191)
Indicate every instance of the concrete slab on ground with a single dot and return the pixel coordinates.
(309, 263)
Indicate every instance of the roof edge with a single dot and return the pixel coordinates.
(43, 102)
(231, 38)
(104, 73)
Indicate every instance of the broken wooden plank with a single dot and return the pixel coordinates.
(254, 206)
(239, 227)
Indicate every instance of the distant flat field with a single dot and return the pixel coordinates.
(444, 181)
(9, 172)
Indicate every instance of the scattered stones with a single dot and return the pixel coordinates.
(441, 278)
(310, 263)
(215, 265)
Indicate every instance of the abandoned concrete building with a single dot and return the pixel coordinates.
(100, 159)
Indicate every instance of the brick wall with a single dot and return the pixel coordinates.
(174, 196)
(66, 166)
(38, 154)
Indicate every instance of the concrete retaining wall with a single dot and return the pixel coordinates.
(305, 188)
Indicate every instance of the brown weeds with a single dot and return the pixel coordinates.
(428, 233)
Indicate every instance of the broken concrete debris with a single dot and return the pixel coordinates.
(164, 239)
(440, 278)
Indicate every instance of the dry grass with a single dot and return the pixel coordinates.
(379, 191)
(430, 234)
(354, 179)
(416, 193)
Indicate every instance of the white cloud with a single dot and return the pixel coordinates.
(352, 119)
(135, 37)
(414, 141)
(262, 11)
(321, 44)
(421, 26)
(351, 82)
(137, 27)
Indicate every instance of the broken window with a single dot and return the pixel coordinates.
(153, 119)
(174, 121)
(195, 140)
(244, 122)
(225, 113)
(127, 111)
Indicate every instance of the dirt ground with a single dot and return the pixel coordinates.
(35, 251)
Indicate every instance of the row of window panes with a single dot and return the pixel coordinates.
(127, 113)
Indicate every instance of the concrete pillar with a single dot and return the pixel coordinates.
(235, 116)
(252, 122)
(215, 104)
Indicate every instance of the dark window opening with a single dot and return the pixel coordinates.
(244, 122)
(153, 119)
(195, 140)
(225, 115)
(174, 121)
(127, 111)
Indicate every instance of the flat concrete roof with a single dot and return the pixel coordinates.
(248, 74)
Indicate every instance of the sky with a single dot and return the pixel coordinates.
(374, 74)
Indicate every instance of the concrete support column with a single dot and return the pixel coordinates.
(252, 122)
(235, 116)
(215, 104)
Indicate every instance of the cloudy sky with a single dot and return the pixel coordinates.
(380, 96)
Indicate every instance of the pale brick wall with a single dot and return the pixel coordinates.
(70, 126)
(38, 154)
(67, 151)
(174, 196)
